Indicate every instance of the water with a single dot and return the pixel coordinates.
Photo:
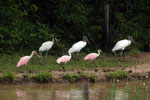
(98, 91)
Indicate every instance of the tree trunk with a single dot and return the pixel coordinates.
(106, 30)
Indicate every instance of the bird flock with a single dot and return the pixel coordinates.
(76, 47)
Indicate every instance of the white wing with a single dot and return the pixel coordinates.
(77, 47)
(46, 46)
(121, 45)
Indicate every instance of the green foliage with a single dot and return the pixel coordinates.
(74, 77)
(119, 74)
(7, 76)
(26, 24)
(43, 77)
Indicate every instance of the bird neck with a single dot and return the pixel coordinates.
(53, 40)
(98, 52)
(70, 54)
(32, 54)
(129, 41)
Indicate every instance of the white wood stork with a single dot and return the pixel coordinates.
(46, 46)
(122, 44)
(77, 47)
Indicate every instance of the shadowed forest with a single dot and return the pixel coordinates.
(26, 24)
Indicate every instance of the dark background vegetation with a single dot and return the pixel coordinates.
(26, 24)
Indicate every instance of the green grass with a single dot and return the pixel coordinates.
(7, 77)
(42, 77)
(74, 77)
(117, 75)
(8, 62)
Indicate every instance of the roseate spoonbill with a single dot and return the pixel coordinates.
(77, 47)
(24, 60)
(46, 46)
(122, 44)
(92, 56)
(64, 59)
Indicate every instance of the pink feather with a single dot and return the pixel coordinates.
(63, 59)
(23, 61)
(91, 56)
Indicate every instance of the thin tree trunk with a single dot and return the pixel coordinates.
(106, 20)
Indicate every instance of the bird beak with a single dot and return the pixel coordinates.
(133, 40)
(37, 54)
(87, 40)
(56, 41)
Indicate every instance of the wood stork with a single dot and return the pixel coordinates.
(122, 44)
(46, 46)
(64, 59)
(77, 47)
(24, 60)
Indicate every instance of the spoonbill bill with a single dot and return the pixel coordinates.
(46, 46)
(122, 44)
(77, 47)
(64, 59)
(24, 60)
(93, 56)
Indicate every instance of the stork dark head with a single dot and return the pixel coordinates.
(131, 38)
(54, 39)
(86, 39)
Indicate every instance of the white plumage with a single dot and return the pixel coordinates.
(121, 45)
(77, 47)
(46, 46)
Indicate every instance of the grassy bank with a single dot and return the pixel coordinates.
(8, 62)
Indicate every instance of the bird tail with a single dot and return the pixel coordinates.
(113, 49)
(85, 58)
(58, 61)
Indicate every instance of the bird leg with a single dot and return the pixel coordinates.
(27, 68)
(94, 63)
(64, 67)
(46, 53)
(121, 53)
(78, 56)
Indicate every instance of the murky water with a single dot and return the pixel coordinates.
(99, 91)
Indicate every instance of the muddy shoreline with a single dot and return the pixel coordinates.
(101, 76)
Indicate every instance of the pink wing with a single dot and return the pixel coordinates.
(23, 61)
(64, 59)
(91, 56)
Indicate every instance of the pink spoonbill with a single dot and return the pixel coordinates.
(24, 60)
(93, 56)
(64, 59)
